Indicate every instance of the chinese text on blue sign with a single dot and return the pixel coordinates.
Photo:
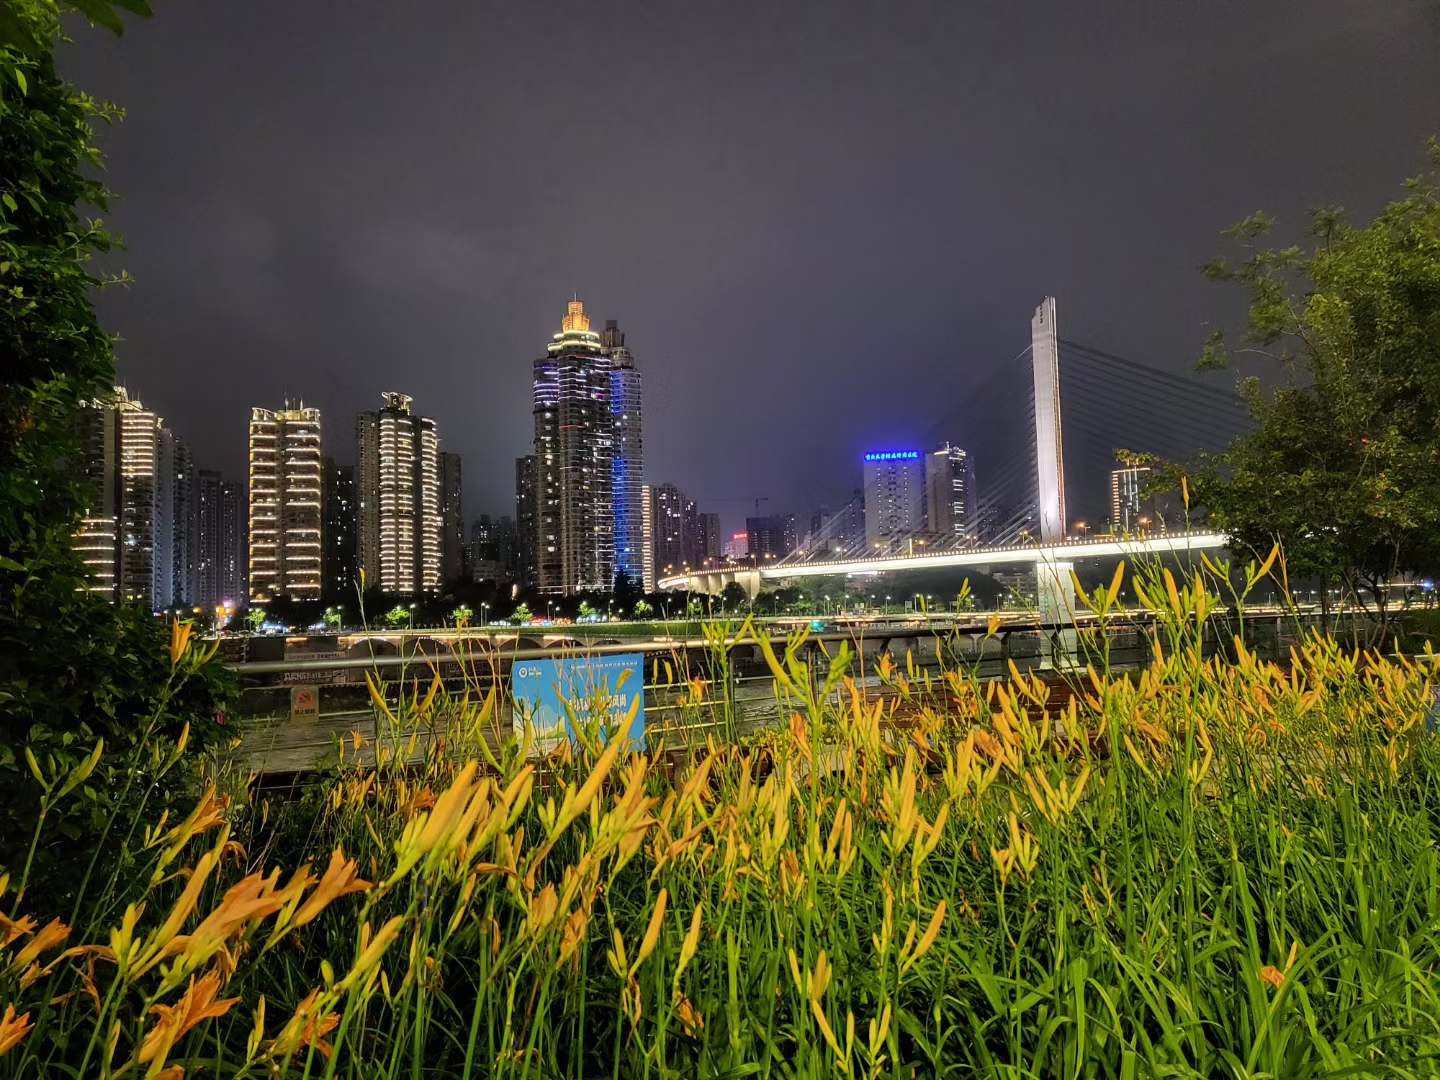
(613, 683)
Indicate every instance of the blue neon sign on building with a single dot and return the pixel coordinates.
(893, 455)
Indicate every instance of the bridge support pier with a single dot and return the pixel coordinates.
(713, 582)
(1055, 592)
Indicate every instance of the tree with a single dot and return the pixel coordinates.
(1343, 465)
(734, 598)
(398, 616)
(461, 615)
(74, 668)
(29, 27)
(522, 612)
(643, 609)
(586, 609)
(627, 592)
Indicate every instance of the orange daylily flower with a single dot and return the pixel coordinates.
(10, 929)
(180, 634)
(53, 933)
(306, 1028)
(340, 878)
(13, 1028)
(196, 1004)
(688, 1014)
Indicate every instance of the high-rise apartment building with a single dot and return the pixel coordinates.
(709, 545)
(894, 497)
(770, 537)
(691, 536)
(527, 518)
(397, 455)
(1131, 510)
(138, 474)
(507, 547)
(670, 536)
(286, 520)
(340, 563)
(452, 519)
(218, 574)
(627, 463)
(647, 536)
(482, 537)
(481, 562)
(574, 428)
(174, 521)
(950, 495)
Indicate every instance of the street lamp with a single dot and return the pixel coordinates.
(484, 616)
(412, 616)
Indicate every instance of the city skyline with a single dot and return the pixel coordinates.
(397, 517)
(874, 187)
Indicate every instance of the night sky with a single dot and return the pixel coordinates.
(817, 223)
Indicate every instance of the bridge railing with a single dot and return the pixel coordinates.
(732, 700)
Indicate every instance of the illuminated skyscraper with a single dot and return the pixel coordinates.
(285, 496)
(575, 541)
(894, 497)
(397, 455)
(1131, 509)
(135, 535)
(627, 464)
(950, 495)
(647, 536)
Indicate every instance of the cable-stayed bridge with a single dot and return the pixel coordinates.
(1042, 474)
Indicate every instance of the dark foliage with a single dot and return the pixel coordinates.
(1343, 465)
(73, 668)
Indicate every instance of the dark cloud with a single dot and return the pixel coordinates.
(818, 223)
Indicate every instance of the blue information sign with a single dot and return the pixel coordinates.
(616, 683)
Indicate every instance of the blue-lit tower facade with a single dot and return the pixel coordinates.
(574, 519)
(894, 498)
(627, 464)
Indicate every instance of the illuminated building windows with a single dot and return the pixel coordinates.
(285, 512)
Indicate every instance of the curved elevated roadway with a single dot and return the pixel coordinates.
(751, 578)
